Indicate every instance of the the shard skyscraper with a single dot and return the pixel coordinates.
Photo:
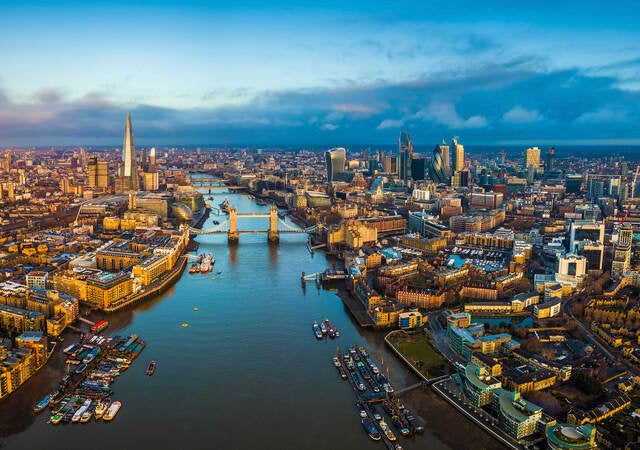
(129, 168)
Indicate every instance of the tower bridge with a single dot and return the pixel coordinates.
(276, 226)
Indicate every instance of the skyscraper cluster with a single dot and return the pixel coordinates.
(447, 164)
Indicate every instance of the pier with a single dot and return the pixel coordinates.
(369, 387)
(357, 309)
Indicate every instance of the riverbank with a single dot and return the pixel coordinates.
(166, 281)
(448, 424)
(16, 411)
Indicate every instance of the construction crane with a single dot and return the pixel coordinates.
(633, 191)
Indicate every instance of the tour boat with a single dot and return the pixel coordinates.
(151, 368)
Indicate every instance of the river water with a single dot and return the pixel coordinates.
(248, 371)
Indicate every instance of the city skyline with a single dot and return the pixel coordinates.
(303, 76)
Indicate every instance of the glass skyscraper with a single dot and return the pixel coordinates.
(405, 154)
(335, 159)
(129, 167)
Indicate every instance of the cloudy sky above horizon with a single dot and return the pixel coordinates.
(281, 73)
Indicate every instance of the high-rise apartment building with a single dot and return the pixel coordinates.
(532, 158)
(622, 254)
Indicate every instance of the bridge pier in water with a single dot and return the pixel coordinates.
(273, 235)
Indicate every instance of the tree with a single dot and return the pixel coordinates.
(585, 382)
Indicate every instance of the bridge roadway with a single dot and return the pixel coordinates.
(196, 231)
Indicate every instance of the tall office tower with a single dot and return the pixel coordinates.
(152, 156)
(594, 252)
(595, 189)
(622, 254)
(102, 175)
(550, 162)
(92, 171)
(6, 163)
(418, 168)
(335, 159)
(614, 187)
(150, 181)
(573, 183)
(143, 158)
(439, 169)
(503, 156)
(391, 164)
(457, 151)
(405, 154)
(129, 169)
(82, 156)
(532, 158)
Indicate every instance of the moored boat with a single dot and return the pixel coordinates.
(371, 429)
(42, 404)
(387, 431)
(317, 331)
(86, 416)
(112, 411)
(80, 411)
(102, 407)
(225, 206)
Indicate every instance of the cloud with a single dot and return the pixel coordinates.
(367, 110)
(567, 104)
(48, 95)
(518, 114)
(603, 115)
(445, 113)
(390, 123)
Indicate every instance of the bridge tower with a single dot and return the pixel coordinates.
(232, 235)
(274, 234)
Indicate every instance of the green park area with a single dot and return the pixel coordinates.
(417, 349)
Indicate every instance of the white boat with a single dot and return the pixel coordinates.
(112, 411)
(78, 414)
(86, 416)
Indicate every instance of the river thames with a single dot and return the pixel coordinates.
(248, 371)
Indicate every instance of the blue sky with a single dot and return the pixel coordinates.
(286, 73)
